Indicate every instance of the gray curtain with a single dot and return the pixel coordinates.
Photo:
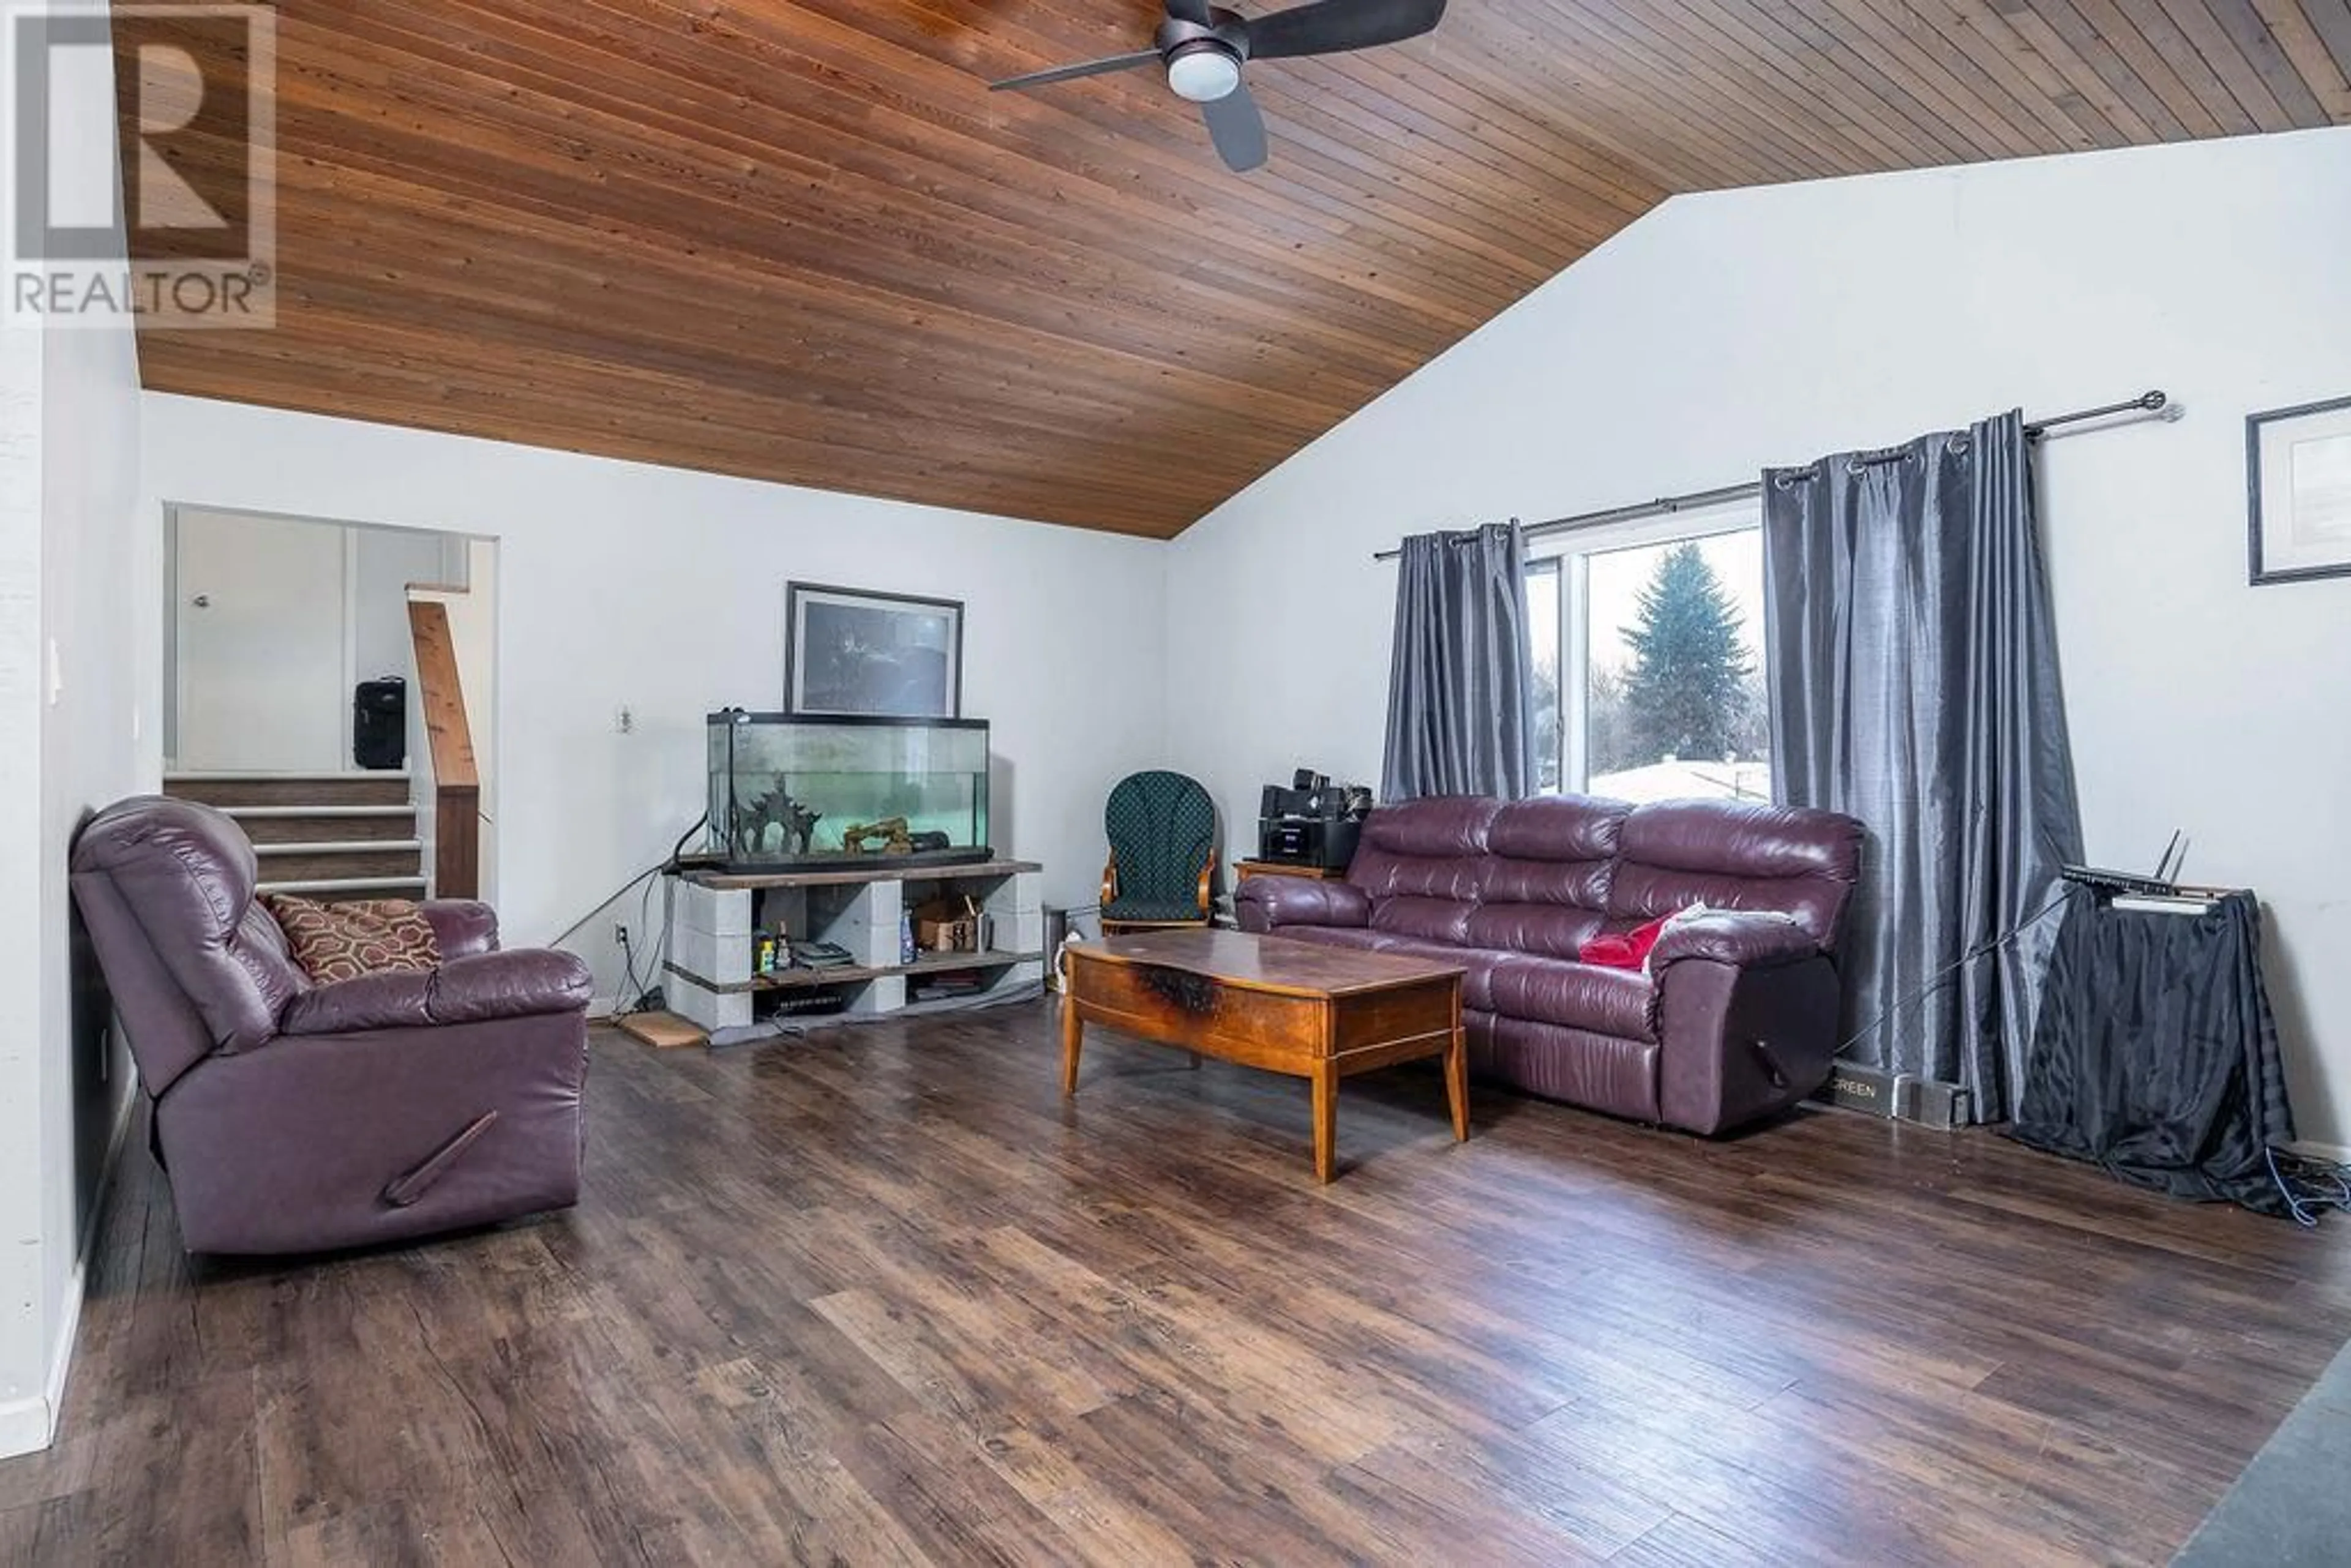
(1461, 682)
(1914, 684)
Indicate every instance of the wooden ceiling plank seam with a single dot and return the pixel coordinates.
(2155, 24)
(1482, 302)
(1174, 160)
(2331, 20)
(1639, 89)
(2248, 28)
(2026, 70)
(1359, 318)
(1005, 422)
(2217, 46)
(1457, 191)
(995, 341)
(1343, 118)
(2096, 71)
(1472, 161)
(1690, 88)
(1600, 110)
(560, 430)
(998, 340)
(1185, 159)
(2329, 82)
(1330, 229)
(1959, 146)
(1596, 122)
(1922, 71)
(871, 258)
(1519, 142)
(2104, 21)
(1760, 75)
(1822, 75)
(1967, 57)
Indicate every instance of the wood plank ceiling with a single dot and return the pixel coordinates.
(802, 242)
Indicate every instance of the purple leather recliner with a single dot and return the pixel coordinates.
(1737, 1016)
(296, 1118)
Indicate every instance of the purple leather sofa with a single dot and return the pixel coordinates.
(295, 1118)
(1738, 1015)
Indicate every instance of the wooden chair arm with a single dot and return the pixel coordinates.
(1206, 872)
(1110, 880)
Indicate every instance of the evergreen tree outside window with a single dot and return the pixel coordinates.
(1656, 640)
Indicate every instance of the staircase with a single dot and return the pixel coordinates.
(322, 835)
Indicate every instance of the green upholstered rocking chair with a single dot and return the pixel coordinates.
(1163, 851)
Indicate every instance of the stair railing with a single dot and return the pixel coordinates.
(456, 782)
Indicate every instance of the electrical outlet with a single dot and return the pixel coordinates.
(621, 934)
(624, 720)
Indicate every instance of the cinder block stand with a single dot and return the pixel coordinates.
(712, 916)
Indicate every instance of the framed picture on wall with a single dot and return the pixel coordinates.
(2298, 480)
(848, 651)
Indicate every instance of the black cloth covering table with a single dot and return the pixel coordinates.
(2156, 1054)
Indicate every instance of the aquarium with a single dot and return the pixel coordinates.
(836, 793)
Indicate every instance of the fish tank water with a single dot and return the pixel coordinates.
(846, 791)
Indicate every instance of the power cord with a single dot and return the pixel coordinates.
(630, 996)
(632, 999)
(2310, 1185)
(1942, 976)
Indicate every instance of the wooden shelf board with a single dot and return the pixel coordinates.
(852, 974)
(727, 881)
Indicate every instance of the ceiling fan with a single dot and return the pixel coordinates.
(1203, 48)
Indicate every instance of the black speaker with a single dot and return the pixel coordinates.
(380, 722)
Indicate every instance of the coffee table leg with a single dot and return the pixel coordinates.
(1326, 1120)
(1073, 1028)
(1456, 1081)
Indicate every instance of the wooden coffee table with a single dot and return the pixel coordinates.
(1299, 1008)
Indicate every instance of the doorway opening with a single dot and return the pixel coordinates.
(332, 687)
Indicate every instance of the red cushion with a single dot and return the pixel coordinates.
(1626, 950)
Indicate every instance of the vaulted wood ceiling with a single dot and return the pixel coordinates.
(802, 242)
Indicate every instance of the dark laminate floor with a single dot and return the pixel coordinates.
(881, 1297)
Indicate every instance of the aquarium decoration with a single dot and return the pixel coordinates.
(905, 790)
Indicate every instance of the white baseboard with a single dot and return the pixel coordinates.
(29, 1425)
(24, 1426)
(2339, 1152)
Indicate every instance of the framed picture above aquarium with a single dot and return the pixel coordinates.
(850, 651)
(2298, 483)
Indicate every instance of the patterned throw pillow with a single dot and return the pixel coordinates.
(343, 941)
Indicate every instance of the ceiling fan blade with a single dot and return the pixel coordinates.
(1236, 128)
(1332, 27)
(1192, 11)
(1088, 68)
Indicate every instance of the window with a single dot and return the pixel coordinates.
(1648, 661)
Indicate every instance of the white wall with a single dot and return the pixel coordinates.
(69, 467)
(1726, 332)
(384, 561)
(622, 582)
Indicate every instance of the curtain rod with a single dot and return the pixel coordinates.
(2145, 403)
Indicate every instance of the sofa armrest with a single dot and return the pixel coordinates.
(1745, 941)
(524, 983)
(463, 926)
(1269, 903)
(1738, 1040)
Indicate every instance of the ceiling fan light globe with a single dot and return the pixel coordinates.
(1204, 75)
